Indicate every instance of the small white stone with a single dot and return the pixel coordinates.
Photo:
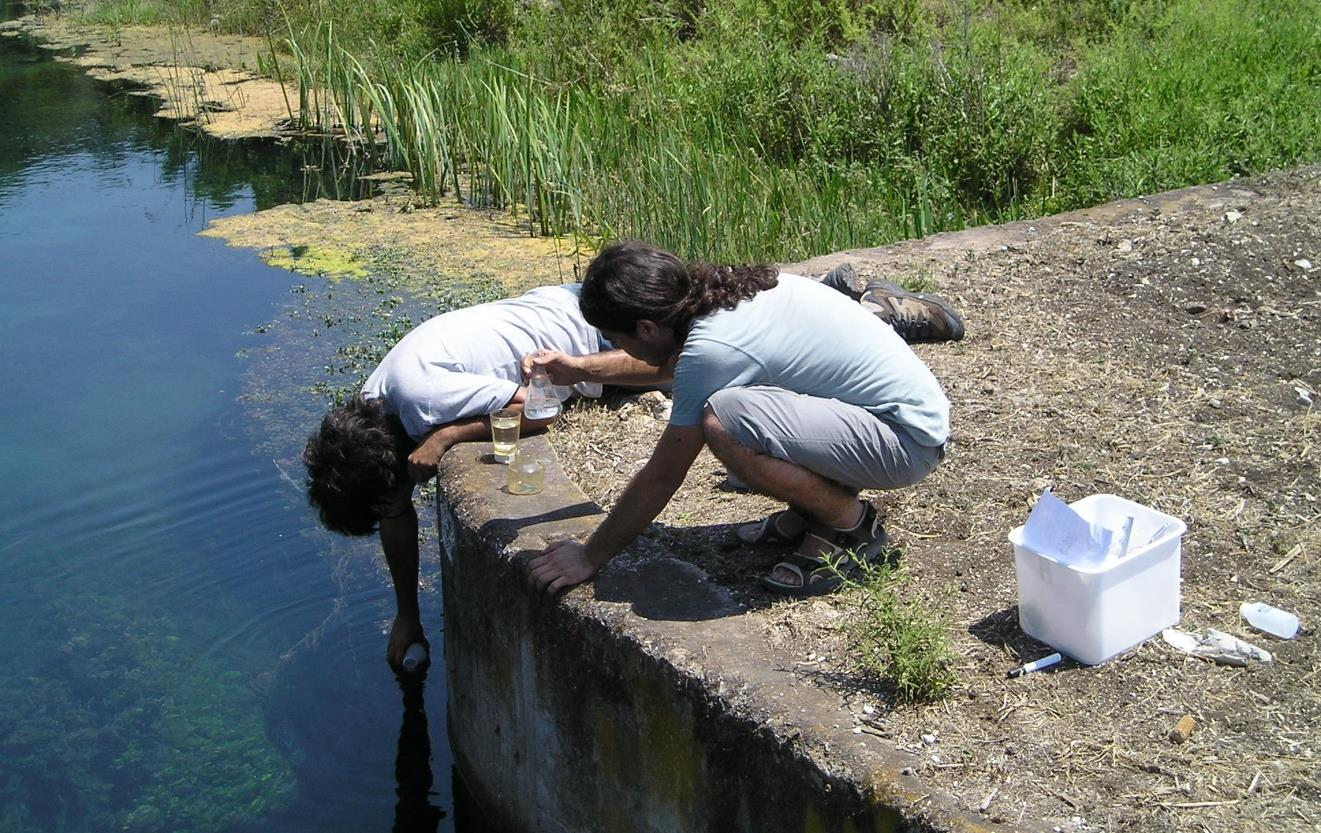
(1223, 461)
(1197, 261)
(857, 730)
(869, 709)
(1125, 246)
(929, 739)
(1233, 216)
(1303, 263)
(1304, 398)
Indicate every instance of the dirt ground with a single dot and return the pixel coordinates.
(1166, 354)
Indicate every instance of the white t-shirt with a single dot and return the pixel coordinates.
(807, 338)
(466, 363)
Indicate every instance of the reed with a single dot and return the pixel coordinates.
(487, 133)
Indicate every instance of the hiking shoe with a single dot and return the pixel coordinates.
(916, 316)
(842, 279)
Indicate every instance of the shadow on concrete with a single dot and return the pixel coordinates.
(667, 589)
(507, 529)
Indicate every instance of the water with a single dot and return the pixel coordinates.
(181, 647)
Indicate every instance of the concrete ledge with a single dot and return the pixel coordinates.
(645, 701)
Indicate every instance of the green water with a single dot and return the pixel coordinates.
(181, 647)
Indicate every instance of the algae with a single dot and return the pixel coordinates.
(324, 261)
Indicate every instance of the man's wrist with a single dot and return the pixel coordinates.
(596, 555)
(408, 611)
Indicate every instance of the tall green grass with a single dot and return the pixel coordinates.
(747, 130)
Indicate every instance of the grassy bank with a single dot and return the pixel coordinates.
(733, 129)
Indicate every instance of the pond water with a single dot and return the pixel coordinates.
(181, 647)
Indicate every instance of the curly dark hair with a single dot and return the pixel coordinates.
(630, 281)
(355, 460)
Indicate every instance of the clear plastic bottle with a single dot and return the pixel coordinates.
(541, 400)
(1272, 620)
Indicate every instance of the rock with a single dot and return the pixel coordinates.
(1232, 217)
(1195, 309)
(1304, 397)
(1125, 246)
(1196, 261)
(656, 405)
(1303, 263)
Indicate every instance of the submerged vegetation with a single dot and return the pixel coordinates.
(734, 129)
(116, 733)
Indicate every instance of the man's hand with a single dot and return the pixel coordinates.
(403, 633)
(422, 461)
(563, 369)
(561, 565)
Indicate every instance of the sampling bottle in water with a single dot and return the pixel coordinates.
(1272, 620)
(542, 403)
(415, 656)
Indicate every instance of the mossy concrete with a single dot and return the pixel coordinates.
(644, 701)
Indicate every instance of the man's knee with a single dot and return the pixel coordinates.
(712, 429)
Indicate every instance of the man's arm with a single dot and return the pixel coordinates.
(613, 367)
(569, 563)
(423, 460)
(399, 542)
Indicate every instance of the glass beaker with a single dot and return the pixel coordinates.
(504, 433)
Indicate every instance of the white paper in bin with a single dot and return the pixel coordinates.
(1093, 612)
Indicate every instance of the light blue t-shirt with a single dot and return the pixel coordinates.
(808, 338)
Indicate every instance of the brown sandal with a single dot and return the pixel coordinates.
(767, 531)
(844, 551)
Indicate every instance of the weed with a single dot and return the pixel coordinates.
(895, 634)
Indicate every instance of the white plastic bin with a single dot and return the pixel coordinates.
(1094, 612)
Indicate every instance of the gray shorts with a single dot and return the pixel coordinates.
(840, 442)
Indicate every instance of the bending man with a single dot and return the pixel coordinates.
(435, 388)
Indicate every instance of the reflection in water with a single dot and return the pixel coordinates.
(414, 812)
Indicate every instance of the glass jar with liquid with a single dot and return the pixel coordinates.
(504, 433)
(542, 403)
(526, 474)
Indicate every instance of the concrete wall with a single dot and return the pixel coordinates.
(641, 702)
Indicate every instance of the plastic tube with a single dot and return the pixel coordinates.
(415, 656)
(1272, 620)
